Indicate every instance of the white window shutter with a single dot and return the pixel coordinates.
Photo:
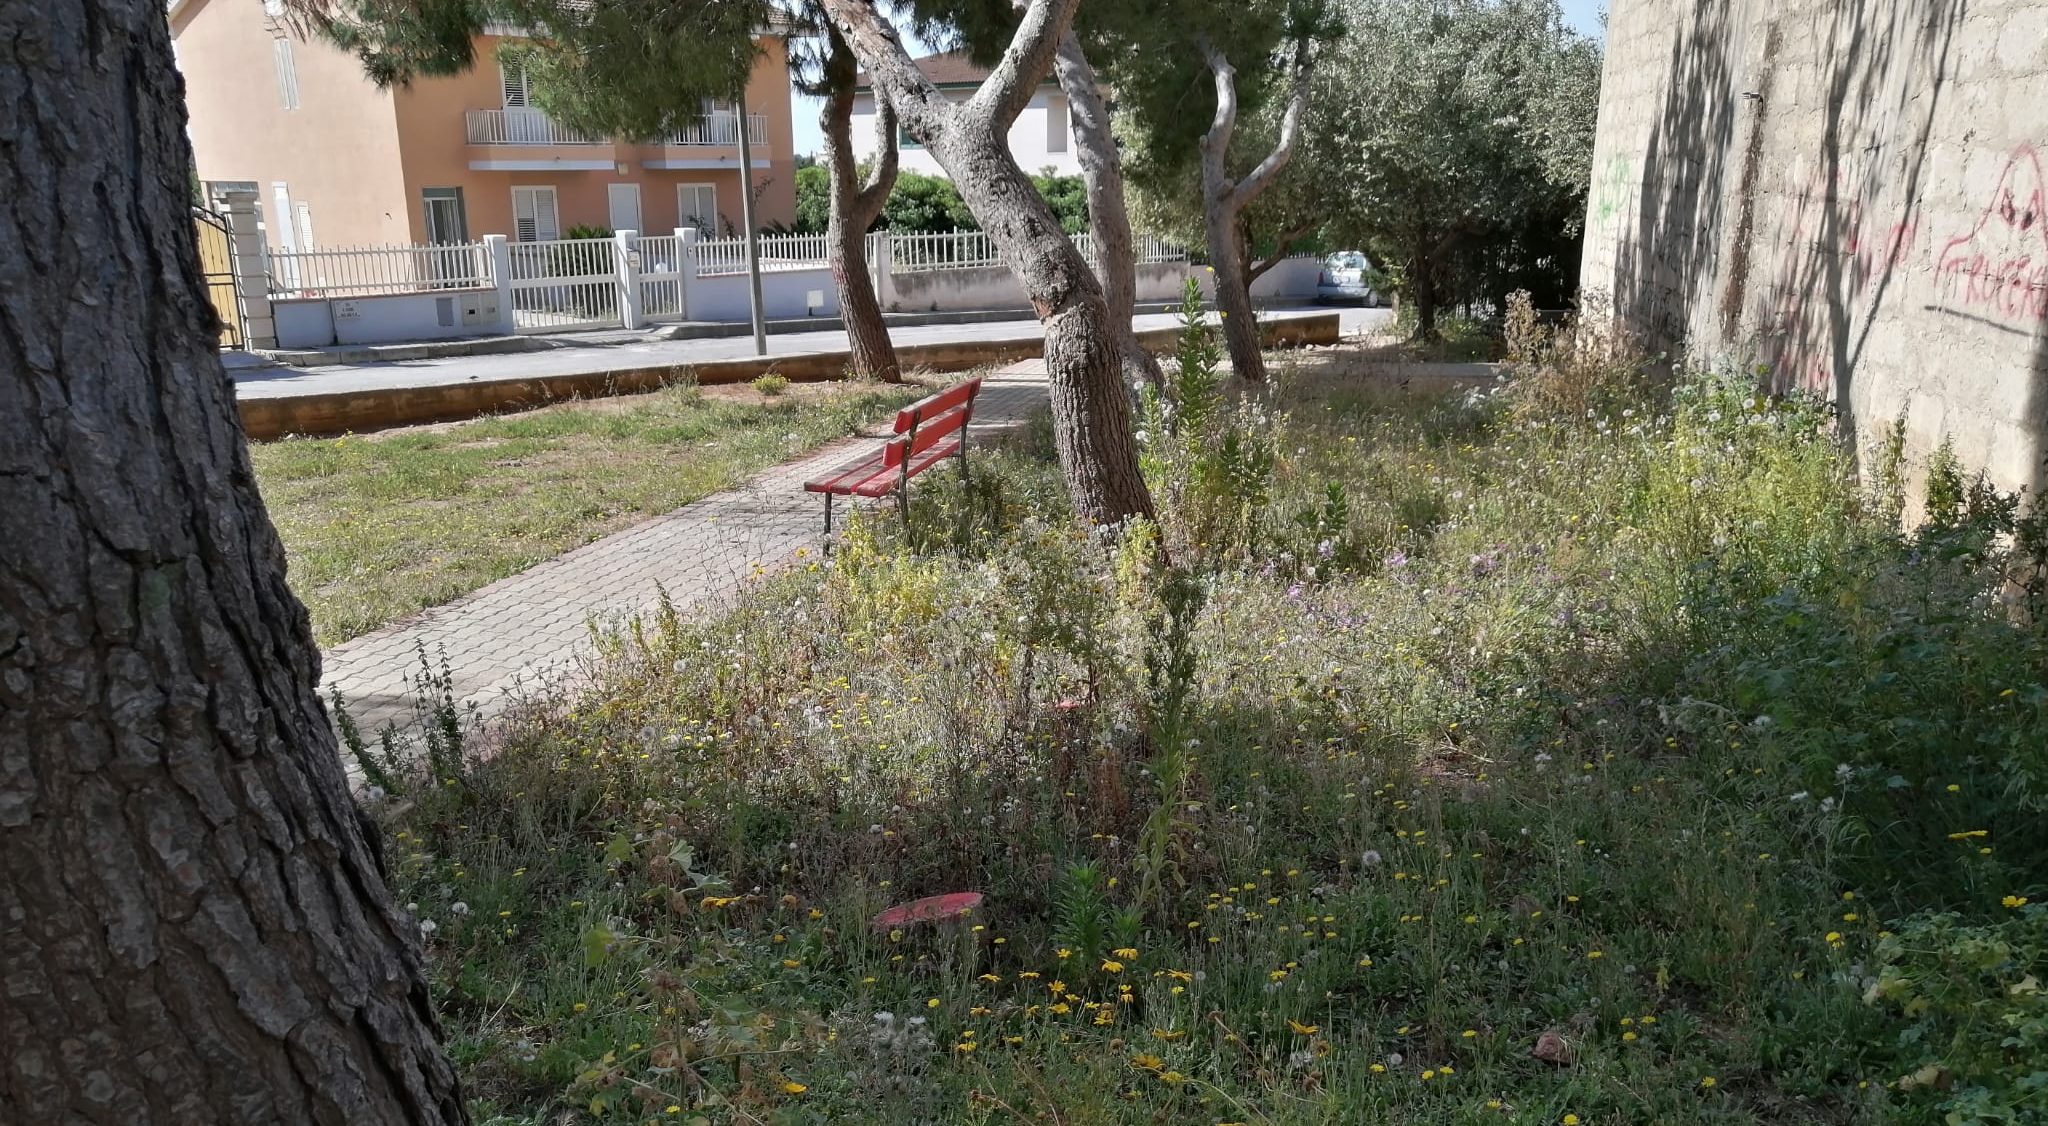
(697, 206)
(525, 228)
(287, 72)
(546, 220)
(514, 76)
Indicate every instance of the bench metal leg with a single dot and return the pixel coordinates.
(828, 523)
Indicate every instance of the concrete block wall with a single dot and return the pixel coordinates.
(1850, 194)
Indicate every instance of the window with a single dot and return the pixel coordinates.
(305, 214)
(287, 72)
(518, 90)
(1056, 124)
(905, 141)
(697, 206)
(447, 220)
(534, 217)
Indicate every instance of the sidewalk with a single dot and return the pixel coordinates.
(604, 354)
(521, 629)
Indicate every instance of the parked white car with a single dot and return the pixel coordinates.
(1344, 278)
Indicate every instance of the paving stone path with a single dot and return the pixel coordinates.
(533, 625)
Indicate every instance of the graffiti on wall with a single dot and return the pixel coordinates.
(1837, 251)
(2000, 268)
(1613, 182)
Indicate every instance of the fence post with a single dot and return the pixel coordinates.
(626, 258)
(498, 253)
(686, 267)
(881, 260)
(252, 278)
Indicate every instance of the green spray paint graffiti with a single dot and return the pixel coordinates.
(1613, 183)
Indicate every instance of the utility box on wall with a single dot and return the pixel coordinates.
(480, 310)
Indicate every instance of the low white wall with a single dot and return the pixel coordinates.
(994, 287)
(1294, 277)
(318, 322)
(784, 294)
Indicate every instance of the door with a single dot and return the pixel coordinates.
(625, 206)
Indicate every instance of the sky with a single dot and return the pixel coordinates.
(1587, 17)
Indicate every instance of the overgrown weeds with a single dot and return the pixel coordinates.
(1480, 763)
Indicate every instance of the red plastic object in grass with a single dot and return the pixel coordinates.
(937, 908)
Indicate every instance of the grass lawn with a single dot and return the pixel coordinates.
(1480, 759)
(379, 526)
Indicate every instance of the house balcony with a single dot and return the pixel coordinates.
(517, 139)
(717, 130)
(708, 141)
(512, 126)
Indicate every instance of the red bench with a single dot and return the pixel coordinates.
(927, 432)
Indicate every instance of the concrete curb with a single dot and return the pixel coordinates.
(358, 411)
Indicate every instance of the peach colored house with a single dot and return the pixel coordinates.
(338, 162)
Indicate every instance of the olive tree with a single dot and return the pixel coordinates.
(1458, 136)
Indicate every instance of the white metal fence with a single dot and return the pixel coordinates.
(952, 250)
(568, 284)
(718, 129)
(564, 284)
(375, 270)
(515, 126)
(722, 256)
(661, 278)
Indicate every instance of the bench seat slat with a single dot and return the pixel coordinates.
(849, 477)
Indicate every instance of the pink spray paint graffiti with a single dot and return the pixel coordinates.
(1836, 250)
(2001, 266)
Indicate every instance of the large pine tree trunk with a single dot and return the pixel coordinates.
(1109, 219)
(854, 208)
(1084, 349)
(192, 926)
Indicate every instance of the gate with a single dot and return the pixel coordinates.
(560, 285)
(217, 267)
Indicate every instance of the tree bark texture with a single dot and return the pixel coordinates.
(1083, 351)
(1109, 219)
(854, 208)
(1224, 200)
(192, 926)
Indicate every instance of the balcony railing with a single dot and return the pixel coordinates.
(718, 129)
(512, 126)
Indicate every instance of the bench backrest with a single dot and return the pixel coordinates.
(930, 406)
(930, 421)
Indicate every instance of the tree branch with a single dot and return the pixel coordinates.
(1259, 178)
(881, 179)
(1216, 142)
(1008, 88)
(926, 111)
(1279, 254)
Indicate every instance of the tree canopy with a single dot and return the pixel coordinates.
(627, 68)
(1455, 138)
